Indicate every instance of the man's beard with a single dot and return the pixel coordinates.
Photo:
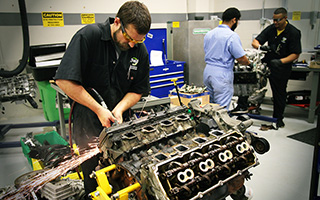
(234, 26)
(122, 46)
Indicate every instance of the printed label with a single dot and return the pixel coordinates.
(52, 19)
(88, 18)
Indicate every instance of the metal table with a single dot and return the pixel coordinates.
(60, 93)
(314, 73)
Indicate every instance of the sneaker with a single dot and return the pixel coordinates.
(248, 193)
(280, 123)
(239, 110)
(244, 193)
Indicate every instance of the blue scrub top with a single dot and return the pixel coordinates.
(222, 46)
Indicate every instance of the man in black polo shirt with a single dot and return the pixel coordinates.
(111, 59)
(284, 46)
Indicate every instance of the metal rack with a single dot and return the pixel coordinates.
(314, 73)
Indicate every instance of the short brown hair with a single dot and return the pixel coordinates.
(137, 14)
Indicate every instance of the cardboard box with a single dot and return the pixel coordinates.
(186, 98)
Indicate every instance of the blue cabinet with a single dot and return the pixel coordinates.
(160, 76)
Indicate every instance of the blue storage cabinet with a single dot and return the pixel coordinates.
(160, 76)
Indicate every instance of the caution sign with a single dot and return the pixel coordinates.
(296, 15)
(52, 19)
(175, 24)
(88, 18)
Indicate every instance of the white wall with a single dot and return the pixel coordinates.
(199, 6)
(221, 5)
(248, 28)
(11, 36)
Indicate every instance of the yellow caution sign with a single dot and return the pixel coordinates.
(88, 18)
(296, 15)
(52, 19)
(175, 24)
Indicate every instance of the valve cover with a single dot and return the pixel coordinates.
(180, 153)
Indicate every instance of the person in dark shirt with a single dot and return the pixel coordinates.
(284, 46)
(109, 60)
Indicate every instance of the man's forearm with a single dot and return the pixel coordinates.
(290, 58)
(255, 44)
(243, 60)
(129, 100)
(79, 94)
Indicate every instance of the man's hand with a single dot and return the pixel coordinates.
(118, 115)
(105, 117)
(128, 101)
(265, 48)
(275, 63)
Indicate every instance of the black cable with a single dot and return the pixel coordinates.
(71, 112)
(26, 43)
(69, 123)
(99, 98)
(32, 102)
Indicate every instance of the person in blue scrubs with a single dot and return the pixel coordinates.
(222, 46)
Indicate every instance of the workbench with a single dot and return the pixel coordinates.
(314, 74)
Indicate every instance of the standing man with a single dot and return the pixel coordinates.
(222, 46)
(284, 46)
(109, 58)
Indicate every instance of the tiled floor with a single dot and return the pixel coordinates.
(284, 172)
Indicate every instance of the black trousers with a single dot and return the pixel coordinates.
(243, 102)
(90, 184)
(278, 81)
(86, 127)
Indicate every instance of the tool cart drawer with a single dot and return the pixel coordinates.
(160, 77)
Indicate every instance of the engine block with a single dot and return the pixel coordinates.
(248, 80)
(17, 88)
(179, 153)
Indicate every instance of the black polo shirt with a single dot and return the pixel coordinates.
(91, 60)
(288, 42)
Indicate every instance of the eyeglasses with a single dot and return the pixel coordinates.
(125, 34)
(278, 20)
